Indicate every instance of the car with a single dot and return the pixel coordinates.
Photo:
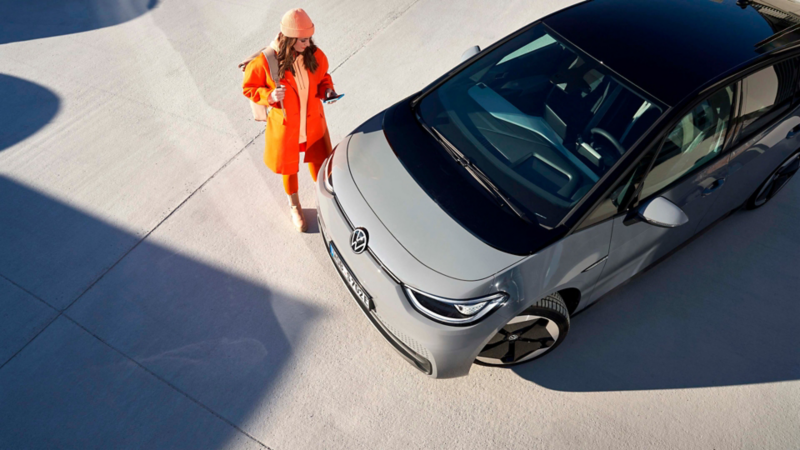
(471, 220)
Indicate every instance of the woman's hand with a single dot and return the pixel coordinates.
(277, 95)
(329, 94)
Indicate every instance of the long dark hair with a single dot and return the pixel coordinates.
(287, 54)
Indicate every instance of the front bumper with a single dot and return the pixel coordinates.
(440, 351)
(407, 347)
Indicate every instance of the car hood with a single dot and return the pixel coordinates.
(420, 225)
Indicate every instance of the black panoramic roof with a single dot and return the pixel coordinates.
(670, 48)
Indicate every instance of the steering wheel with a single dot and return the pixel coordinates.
(609, 138)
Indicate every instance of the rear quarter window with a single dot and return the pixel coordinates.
(768, 94)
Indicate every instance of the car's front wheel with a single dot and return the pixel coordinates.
(531, 334)
(774, 183)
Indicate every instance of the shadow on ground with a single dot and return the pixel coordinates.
(220, 339)
(720, 312)
(34, 19)
(26, 108)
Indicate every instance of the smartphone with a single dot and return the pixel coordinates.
(333, 100)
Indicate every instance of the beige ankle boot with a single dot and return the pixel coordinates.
(297, 213)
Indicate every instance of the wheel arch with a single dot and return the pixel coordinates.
(571, 297)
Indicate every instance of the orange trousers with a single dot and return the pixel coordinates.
(290, 181)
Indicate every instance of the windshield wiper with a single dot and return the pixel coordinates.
(479, 176)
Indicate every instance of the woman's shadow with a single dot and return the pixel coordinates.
(722, 311)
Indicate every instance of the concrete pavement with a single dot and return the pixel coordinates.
(153, 293)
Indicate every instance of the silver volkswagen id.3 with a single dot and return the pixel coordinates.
(471, 220)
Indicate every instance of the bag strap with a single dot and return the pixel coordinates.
(272, 60)
(274, 73)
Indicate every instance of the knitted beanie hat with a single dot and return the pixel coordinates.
(297, 24)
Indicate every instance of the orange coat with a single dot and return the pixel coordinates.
(282, 149)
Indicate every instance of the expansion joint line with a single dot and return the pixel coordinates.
(392, 20)
(3, 364)
(61, 312)
(175, 388)
(202, 185)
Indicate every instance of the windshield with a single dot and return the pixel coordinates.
(543, 122)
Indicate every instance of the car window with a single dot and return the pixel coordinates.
(543, 121)
(536, 44)
(697, 138)
(621, 194)
(767, 94)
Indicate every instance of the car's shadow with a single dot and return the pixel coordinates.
(721, 311)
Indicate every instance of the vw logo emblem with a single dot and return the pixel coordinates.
(358, 240)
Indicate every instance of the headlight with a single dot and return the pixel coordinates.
(455, 312)
(327, 175)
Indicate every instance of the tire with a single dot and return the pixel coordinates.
(776, 181)
(533, 333)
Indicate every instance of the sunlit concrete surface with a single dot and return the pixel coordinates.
(154, 294)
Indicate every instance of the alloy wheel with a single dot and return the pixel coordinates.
(523, 338)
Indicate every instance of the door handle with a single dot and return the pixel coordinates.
(713, 187)
(793, 132)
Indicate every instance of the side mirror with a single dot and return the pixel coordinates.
(662, 213)
(472, 51)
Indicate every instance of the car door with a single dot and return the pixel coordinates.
(688, 169)
(769, 132)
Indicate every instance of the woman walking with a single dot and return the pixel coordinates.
(296, 123)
